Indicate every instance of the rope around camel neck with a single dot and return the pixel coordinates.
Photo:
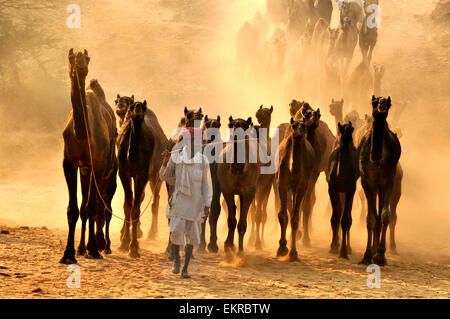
(92, 167)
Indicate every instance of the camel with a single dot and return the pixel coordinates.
(396, 189)
(336, 109)
(323, 141)
(367, 40)
(358, 87)
(258, 208)
(352, 9)
(161, 143)
(346, 43)
(379, 153)
(89, 145)
(135, 145)
(324, 9)
(122, 105)
(331, 83)
(237, 179)
(378, 73)
(297, 20)
(344, 172)
(296, 157)
(209, 123)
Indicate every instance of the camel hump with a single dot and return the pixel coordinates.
(97, 89)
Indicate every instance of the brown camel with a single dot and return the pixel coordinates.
(367, 39)
(344, 172)
(323, 142)
(346, 43)
(379, 153)
(135, 145)
(324, 9)
(89, 144)
(258, 208)
(238, 179)
(336, 109)
(352, 10)
(214, 214)
(296, 157)
(161, 143)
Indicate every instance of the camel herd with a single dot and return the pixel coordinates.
(365, 150)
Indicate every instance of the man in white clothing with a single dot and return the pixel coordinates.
(187, 169)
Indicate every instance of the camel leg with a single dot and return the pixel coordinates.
(378, 224)
(371, 217)
(213, 217)
(246, 201)
(112, 187)
(229, 243)
(295, 218)
(258, 220)
(101, 218)
(395, 198)
(125, 232)
(70, 173)
(386, 192)
(308, 205)
(92, 211)
(155, 187)
(84, 179)
(283, 219)
(277, 197)
(369, 57)
(252, 213)
(335, 218)
(346, 223)
(362, 199)
(264, 218)
(139, 186)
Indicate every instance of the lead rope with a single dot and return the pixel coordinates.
(92, 167)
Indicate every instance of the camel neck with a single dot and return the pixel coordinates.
(377, 139)
(298, 149)
(134, 140)
(78, 97)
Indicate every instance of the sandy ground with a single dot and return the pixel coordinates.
(34, 195)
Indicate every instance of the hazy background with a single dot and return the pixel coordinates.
(181, 53)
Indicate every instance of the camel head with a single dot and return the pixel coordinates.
(380, 107)
(336, 107)
(122, 105)
(211, 123)
(378, 72)
(294, 106)
(192, 117)
(264, 115)
(345, 24)
(240, 123)
(299, 128)
(312, 118)
(137, 110)
(368, 120)
(78, 62)
(345, 132)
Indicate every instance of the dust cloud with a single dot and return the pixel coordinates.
(183, 53)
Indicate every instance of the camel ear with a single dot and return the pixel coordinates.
(218, 118)
(271, 109)
(118, 96)
(230, 119)
(261, 106)
(71, 52)
(342, 101)
(249, 121)
(366, 117)
(200, 110)
(86, 53)
(350, 122)
(145, 103)
(206, 118)
(332, 100)
(292, 120)
(185, 110)
(339, 126)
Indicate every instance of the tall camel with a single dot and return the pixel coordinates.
(238, 179)
(161, 143)
(210, 123)
(258, 209)
(323, 142)
(344, 172)
(368, 36)
(296, 157)
(135, 145)
(379, 153)
(89, 144)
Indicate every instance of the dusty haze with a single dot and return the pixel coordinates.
(184, 55)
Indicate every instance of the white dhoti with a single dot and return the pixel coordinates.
(184, 232)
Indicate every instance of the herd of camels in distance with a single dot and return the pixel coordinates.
(364, 148)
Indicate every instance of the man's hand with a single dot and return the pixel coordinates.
(166, 157)
(206, 214)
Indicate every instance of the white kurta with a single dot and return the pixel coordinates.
(192, 192)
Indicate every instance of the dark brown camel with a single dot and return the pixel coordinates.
(135, 145)
(258, 209)
(214, 214)
(296, 157)
(237, 178)
(344, 172)
(379, 153)
(89, 144)
(161, 143)
(368, 36)
(323, 142)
